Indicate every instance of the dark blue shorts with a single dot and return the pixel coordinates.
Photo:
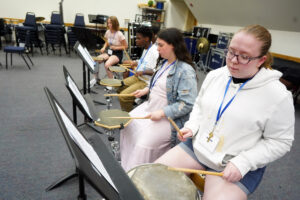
(248, 183)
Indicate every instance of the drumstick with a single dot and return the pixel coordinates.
(103, 38)
(195, 171)
(145, 78)
(130, 117)
(126, 54)
(118, 95)
(175, 126)
(128, 69)
(125, 64)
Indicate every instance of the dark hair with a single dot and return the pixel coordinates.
(263, 35)
(145, 31)
(174, 37)
(155, 29)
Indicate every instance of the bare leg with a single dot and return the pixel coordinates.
(104, 56)
(112, 60)
(217, 188)
(175, 156)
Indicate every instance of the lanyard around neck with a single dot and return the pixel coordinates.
(142, 59)
(111, 39)
(160, 72)
(220, 111)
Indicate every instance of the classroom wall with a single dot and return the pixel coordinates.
(282, 18)
(284, 42)
(124, 9)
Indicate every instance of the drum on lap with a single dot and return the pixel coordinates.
(117, 71)
(111, 83)
(110, 124)
(156, 182)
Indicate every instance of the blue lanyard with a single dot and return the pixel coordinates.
(111, 39)
(220, 111)
(160, 72)
(142, 59)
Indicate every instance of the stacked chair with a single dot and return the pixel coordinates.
(55, 33)
(5, 31)
(28, 33)
(72, 39)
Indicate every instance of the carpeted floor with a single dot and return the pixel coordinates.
(33, 150)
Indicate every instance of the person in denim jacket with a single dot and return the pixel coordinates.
(172, 92)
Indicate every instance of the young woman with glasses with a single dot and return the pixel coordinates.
(242, 120)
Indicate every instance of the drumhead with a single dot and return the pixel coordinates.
(97, 58)
(111, 82)
(156, 182)
(111, 123)
(117, 69)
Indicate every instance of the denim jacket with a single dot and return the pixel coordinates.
(181, 94)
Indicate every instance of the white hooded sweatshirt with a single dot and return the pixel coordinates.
(256, 128)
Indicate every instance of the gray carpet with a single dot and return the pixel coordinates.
(33, 150)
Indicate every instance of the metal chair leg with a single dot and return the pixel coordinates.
(29, 59)
(6, 60)
(25, 61)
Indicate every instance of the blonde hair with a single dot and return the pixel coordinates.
(115, 23)
(263, 35)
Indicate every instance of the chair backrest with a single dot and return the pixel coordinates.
(56, 18)
(79, 20)
(30, 19)
(3, 28)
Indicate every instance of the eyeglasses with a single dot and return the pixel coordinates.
(242, 59)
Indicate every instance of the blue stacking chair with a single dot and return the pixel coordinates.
(18, 50)
(55, 33)
(28, 33)
(79, 22)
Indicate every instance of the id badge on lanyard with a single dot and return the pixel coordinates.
(109, 52)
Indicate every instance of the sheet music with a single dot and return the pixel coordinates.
(79, 96)
(87, 57)
(86, 148)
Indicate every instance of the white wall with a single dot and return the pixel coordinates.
(283, 42)
(282, 18)
(176, 14)
(123, 9)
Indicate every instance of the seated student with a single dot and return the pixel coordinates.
(144, 69)
(116, 43)
(172, 92)
(242, 120)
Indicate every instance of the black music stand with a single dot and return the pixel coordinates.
(87, 109)
(89, 37)
(94, 164)
(83, 102)
(88, 61)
